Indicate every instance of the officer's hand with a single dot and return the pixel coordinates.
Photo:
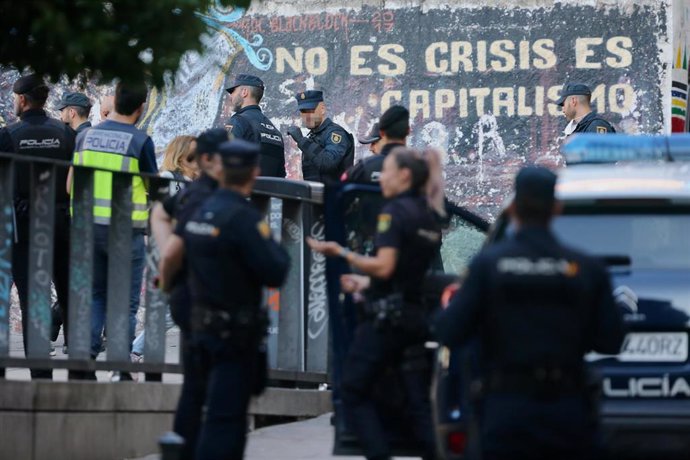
(352, 283)
(295, 133)
(327, 248)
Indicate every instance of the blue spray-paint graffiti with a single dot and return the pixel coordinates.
(220, 19)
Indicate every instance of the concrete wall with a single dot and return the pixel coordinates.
(94, 421)
(479, 76)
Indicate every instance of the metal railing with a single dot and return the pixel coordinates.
(298, 336)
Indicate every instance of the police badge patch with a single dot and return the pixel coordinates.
(336, 138)
(384, 223)
(602, 130)
(264, 229)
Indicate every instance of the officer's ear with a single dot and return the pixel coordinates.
(557, 208)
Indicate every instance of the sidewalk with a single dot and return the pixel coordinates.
(172, 355)
(308, 440)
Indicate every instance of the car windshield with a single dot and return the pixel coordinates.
(650, 240)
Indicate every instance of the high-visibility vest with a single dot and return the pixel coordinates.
(115, 149)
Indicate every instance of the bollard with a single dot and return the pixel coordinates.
(171, 446)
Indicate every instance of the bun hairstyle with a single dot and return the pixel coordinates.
(427, 174)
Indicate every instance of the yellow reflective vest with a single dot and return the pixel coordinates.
(115, 147)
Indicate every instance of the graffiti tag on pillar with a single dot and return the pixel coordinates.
(317, 300)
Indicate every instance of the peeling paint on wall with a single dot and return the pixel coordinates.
(479, 78)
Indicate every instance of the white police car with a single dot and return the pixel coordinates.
(627, 200)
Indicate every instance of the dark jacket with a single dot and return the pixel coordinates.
(593, 123)
(327, 152)
(250, 124)
(533, 302)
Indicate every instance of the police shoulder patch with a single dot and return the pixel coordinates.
(264, 229)
(384, 223)
(602, 130)
(336, 138)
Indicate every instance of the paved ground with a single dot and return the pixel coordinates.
(308, 440)
(172, 355)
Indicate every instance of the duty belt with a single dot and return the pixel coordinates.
(242, 322)
(540, 381)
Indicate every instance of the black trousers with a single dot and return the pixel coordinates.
(20, 274)
(220, 378)
(527, 427)
(372, 350)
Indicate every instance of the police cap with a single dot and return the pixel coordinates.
(210, 140)
(239, 153)
(573, 89)
(308, 100)
(395, 115)
(74, 99)
(373, 136)
(535, 185)
(29, 84)
(245, 80)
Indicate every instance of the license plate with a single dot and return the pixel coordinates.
(654, 347)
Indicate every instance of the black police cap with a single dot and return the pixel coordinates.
(209, 140)
(535, 184)
(308, 100)
(245, 80)
(239, 153)
(28, 84)
(573, 89)
(373, 136)
(74, 99)
(394, 115)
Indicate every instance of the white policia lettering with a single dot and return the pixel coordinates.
(43, 144)
(648, 387)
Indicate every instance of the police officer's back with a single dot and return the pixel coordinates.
(328, 150)
(36, 135)
(231, 257)
(575, 101)
(537, 307)
(249, 123)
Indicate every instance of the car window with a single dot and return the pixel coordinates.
(651, 241)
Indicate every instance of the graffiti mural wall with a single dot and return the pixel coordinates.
(479, 81)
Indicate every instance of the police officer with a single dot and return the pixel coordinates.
(250, 124)
(37, 135)
(74, 111)
(394, 127)
(536, 308)
(394, 316)
(575, 101)
(231, 257)
(328, 150)
(168, 220)
(372, 139)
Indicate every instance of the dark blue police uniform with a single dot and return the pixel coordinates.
(368, 171)
(593, 123)
(328, 150)
(536, 307)
(37, 135)
(590, 123)
(231, 257)
(249, 123)
(181, 207)
(407, 224)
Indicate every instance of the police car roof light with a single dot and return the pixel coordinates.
(598, 148)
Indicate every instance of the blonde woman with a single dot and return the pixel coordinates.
(178, 162)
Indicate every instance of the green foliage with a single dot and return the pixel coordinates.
(87, 39)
